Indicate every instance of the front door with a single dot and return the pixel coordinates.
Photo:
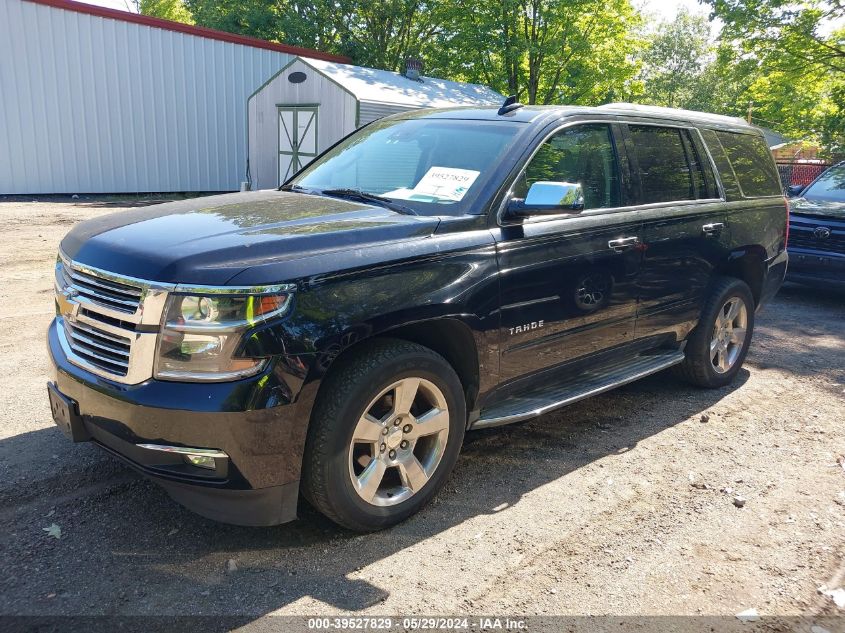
(297, 139)
(568, 282)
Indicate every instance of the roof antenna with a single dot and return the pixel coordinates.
(509, 105)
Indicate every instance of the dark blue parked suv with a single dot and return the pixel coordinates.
(817, 231)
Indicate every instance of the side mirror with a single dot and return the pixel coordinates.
(549, 198)
(794, 190)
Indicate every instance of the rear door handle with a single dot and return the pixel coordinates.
(623, 243)
(713, 229)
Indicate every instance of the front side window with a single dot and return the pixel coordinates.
(435, 166)
(582, 154)
(669, 171)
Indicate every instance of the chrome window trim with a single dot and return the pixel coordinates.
(500, 221)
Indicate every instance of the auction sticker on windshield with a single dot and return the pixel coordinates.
(447, 183)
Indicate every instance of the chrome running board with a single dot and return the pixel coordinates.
(540, 400)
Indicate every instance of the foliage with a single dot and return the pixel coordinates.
(380, 34)
(256, 18)
(168, 9)
(786, 62)
(777, 55)
(544, 51)
(676, 60)
(786, 31)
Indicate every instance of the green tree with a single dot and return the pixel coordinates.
(256, 18)
(675, 63)
(380, 34)
(787, 64)
(168, 9)
(793, 31)
(544, 51)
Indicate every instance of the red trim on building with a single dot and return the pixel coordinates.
(199, 31)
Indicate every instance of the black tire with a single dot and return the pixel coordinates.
(698, 367)
(351, 385)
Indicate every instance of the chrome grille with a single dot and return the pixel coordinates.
(108, 323)
(104, 292)
(107, 351)
(804, 238)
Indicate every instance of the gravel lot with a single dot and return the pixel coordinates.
(615, 505)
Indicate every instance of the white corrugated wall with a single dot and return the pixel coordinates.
(96, 105)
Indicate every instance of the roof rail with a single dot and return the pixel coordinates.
(675, 113)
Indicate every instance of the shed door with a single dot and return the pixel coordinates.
(297, 139)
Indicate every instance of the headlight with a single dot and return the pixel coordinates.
(202, 332)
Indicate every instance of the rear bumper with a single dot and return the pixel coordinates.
(251, 421)
(817, 269)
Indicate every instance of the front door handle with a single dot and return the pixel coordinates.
(623, 243)
(713, 229)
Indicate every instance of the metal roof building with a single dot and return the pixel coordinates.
(95, 100)
(310, 104)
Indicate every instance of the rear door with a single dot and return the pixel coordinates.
(685, 232)
(567, 281)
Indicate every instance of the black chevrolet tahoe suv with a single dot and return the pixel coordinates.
(433, 273)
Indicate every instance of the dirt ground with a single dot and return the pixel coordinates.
(622, 504)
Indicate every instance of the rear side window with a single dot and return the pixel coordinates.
(752, 163)
(669, 168)
(726, 172)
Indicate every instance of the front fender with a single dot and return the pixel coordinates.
(456, 279)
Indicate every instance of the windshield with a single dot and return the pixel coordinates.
(434, 166)
(830, 187)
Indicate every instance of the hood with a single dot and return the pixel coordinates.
(210, 240)
(822, 208)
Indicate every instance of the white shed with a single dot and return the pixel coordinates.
(310, 104)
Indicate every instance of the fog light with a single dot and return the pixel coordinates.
(201, 461)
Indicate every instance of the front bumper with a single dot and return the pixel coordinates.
(252, 421)
(817, 268)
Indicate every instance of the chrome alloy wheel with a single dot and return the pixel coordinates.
(398, 442)
(729, 333)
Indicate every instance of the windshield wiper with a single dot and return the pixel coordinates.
(295, 188)
(363, 196)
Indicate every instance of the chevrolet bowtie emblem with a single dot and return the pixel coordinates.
(67, 307)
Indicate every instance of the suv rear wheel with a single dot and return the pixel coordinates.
(717, 347)
(385, 434)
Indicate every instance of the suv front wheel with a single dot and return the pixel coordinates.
(718, 345)
(385, 434)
